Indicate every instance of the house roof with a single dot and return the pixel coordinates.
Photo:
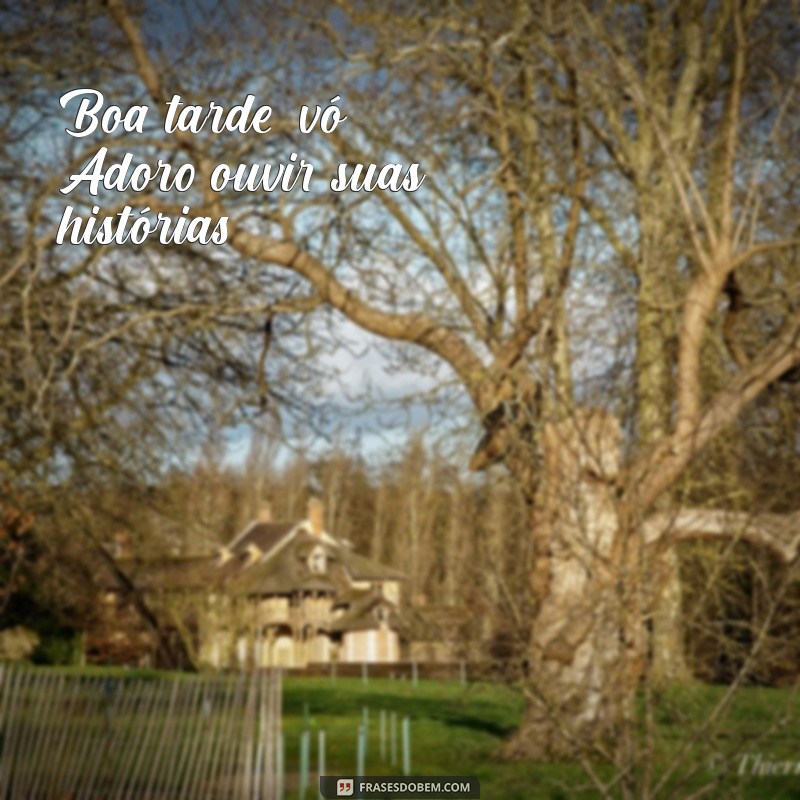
(363, 615)
(264, 535)
(285, 571)
(285, 547)
(280, 565)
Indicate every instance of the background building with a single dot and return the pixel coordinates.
(281, 593)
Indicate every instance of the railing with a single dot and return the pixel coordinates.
(78, 737)
(499, 670)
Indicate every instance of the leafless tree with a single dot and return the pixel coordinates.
(636, 158)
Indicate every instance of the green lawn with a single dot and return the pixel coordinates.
(459, 731)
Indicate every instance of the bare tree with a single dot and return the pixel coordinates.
(634, 156)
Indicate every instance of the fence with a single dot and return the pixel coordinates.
(65, 737)
(497, 671)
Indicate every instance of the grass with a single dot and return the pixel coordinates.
(460, 730)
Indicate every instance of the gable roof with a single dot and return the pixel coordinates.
(273, 538)
(362, 616)
(265, 558)
(286, 570)
(264, 535)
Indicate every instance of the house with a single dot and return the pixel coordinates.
(281, 593)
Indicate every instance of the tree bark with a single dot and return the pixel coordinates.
(599, 574)
(587, 640)
(668, 651)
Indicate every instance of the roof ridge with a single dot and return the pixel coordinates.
(256, 523)
(280, 544)
(237, 539)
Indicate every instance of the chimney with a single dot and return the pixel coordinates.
(316, 516)
(264, 513)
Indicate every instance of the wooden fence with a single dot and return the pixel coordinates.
(498, 670)
(66, 737)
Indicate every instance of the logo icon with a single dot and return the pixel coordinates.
(344, 787)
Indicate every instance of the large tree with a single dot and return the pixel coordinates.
(608, 196)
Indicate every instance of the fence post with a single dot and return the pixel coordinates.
(281, 776)
(304, 753)
(321, 755)
(393, 741)
(361, 754)
(406, 746)
(382, 735)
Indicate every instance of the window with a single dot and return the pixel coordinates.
(318, 561)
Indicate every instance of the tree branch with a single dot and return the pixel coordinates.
(779, 533)
(656, 473)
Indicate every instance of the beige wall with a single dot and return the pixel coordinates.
(272, 610)
(319, 649)
(219, 616)
(283, 652)
(371, 646)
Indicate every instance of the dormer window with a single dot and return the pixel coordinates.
(253, 553)
(382, 614)
(317, 561)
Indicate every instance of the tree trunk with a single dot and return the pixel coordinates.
(587, 640)
(668, 650)
(656, 335)
(583, 674)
